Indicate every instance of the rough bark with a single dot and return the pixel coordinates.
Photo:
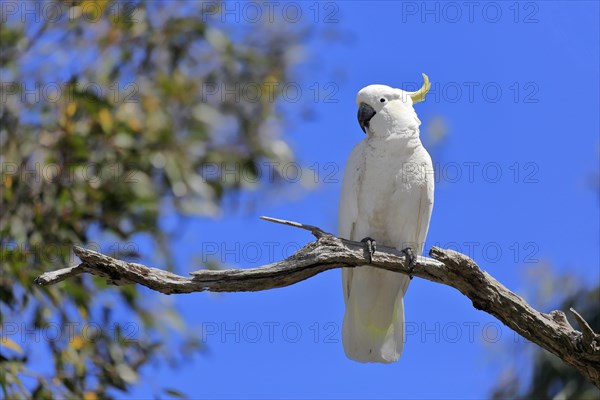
(551, 331)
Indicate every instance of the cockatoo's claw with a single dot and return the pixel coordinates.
(371, 246)
(412, 260)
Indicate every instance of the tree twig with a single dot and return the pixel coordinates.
(550, 331)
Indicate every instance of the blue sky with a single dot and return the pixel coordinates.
(518, 94)
(517, 88)
(539, 131)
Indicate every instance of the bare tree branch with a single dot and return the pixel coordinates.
(550, 331)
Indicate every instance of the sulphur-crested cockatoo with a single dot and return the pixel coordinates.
(387, 198)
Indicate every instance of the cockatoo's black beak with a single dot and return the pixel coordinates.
(365, 113)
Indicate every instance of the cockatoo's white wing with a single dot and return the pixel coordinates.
(348, 207)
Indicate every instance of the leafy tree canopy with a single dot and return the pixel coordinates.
(111, 113)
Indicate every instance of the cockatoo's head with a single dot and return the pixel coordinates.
(382, 109)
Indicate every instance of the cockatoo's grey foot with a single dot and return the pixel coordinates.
(371, 246)
(412, 260)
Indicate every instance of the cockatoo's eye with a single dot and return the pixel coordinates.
(382, 100)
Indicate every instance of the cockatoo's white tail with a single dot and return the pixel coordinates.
(373, 329)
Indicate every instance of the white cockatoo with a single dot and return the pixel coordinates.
(387, 198)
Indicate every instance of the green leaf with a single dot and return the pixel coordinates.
(175, 393)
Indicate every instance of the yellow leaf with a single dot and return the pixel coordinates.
(83, 312)
(105, 119)
(134, 124)
(71, 108)
(89, 396)
(94, 9)
(6, 342)
(77, 343)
